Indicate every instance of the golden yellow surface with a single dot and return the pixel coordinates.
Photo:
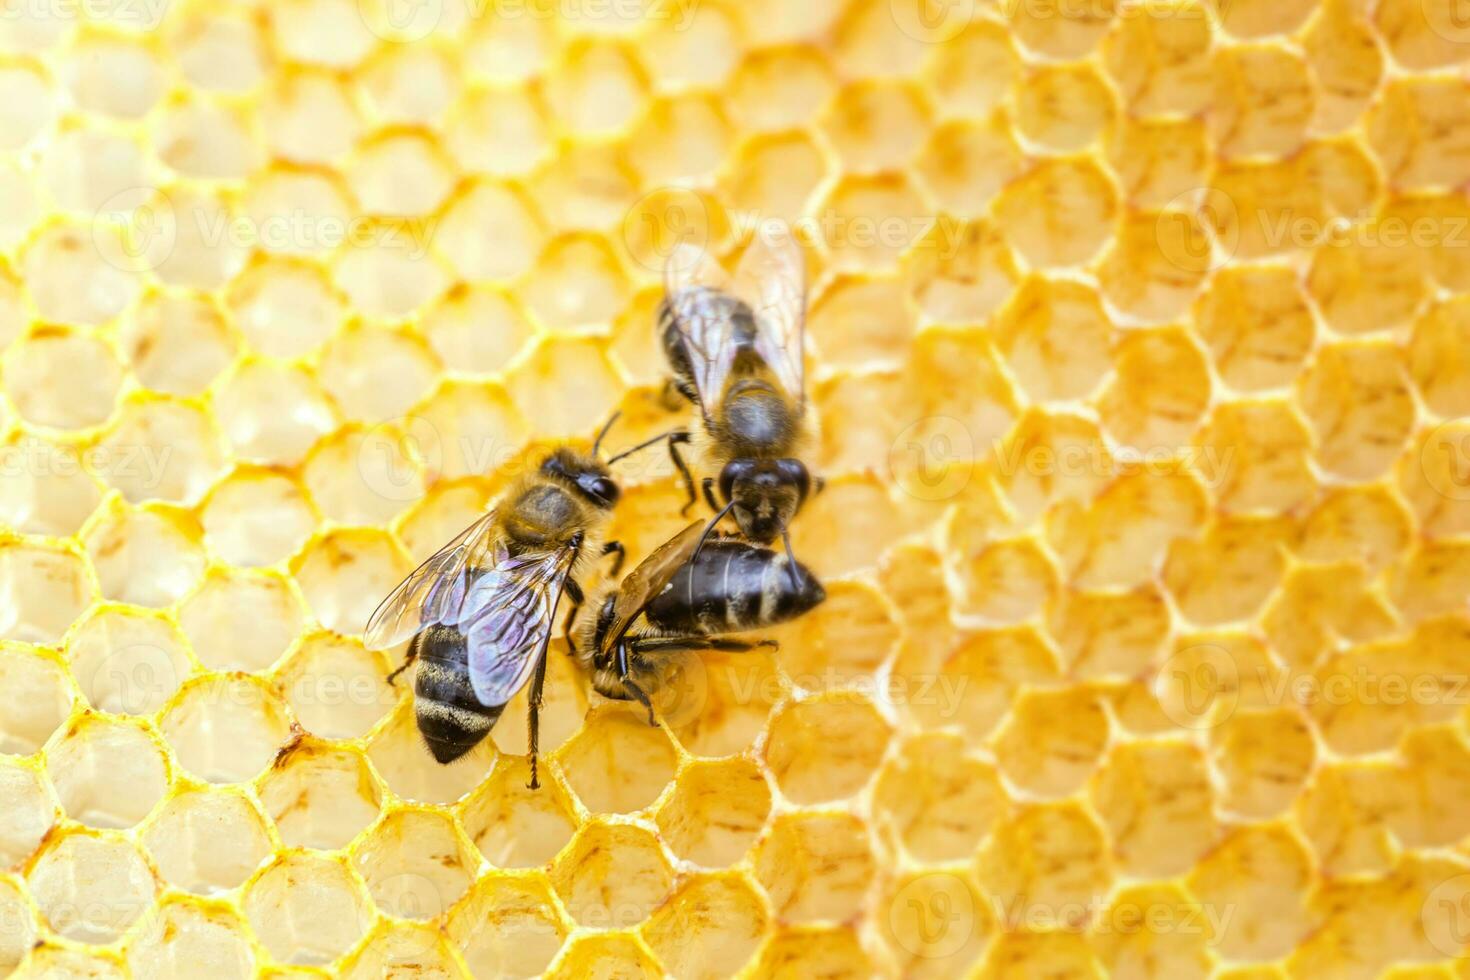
(1140, 348)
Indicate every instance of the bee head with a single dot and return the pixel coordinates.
(765, 494)
(586, 474)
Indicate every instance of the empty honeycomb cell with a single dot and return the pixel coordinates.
(1159, 393)
(870, 221)
(20, 929)
(335, 688)
(203, 138)
(718, 705)
(1156, 930)
(284, 307)
(1120, 539)
(293, 212)
(1433, 226)
(181, 938)
(84, 168)
(48, 960)
(715, 812)
(1156, 265)
(852, 734)
(329, 33)
(612, 876)
(935, 922)
(199, 239)
(1046, 868)
(400, 175)
(363, 477)
(149, 556)
(272, 413)
(936, 800)
(1160, 59)
(1149, 792)
(240, 620)
(1254, 454)
(61, 379)
(1257, 325)
(306, 909)
(798, 951)
(598, 90)
(976, 683)
(862, 420)
(709, 928)
(1263, 101)
(396, 948)
(387, 270)
(515, 826)
(843, 641)
(31, 100)
(1437, 361)
(401, 759)
(344, 574)
(1063, 108)
(858, 521)
(1364, 283)
(618, 763)
(319, 796)
(864, 322)
(176, 343)
(489, 231)
(875, 126)
(38, 699)
(1052, 740)
(44, 488)
(681, 138)
(962, 271)
(815, 867)
(112, 75)
(668, 216)
(413, 864)
(28, 816)
(578, 283)
(1365, 524)
(91, 888)
(507, 927)
(1257, 871)
(1007, 582)
(698, 47)
(1435, 767)
(1060, 213)
(221, 52)
(159, 450)
(1431, 579)
(1319, 606)
(224, 729)
(1228, 572)
(439, 516)
(409, 85)
(1108, 634)
(605, 955)
(467, 430)
(1054, 334)
(1159, 160)
(500, 131)
(1344, 816)
(107, 773)
(971, 75)
(1418, 129)
(567, 365)
(1357, 397)
(477, 330)
(1437, 484)
(256, 516)
(1265, 758)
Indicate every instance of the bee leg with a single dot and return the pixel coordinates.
(533, 729)
(678, 438)
(631, 686)
(790, 559)
(709, 529)
(574, 593)
(615, 548)
(688, 644)
(408, 659)
(709, 493)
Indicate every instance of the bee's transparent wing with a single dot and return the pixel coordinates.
(434, 592)
(771, 278)
(646, 581)
(692, 284)
(507, 620)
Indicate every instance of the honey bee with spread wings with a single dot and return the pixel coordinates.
(686, 596)
(735, 347)
(480, 612)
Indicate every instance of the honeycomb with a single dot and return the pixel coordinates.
(1140, 350)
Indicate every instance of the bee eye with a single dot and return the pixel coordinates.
(605, 490)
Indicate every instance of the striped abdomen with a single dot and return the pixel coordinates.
(450, 718)
(733, 586)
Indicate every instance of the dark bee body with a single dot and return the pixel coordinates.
(680, 601)
(480, 611)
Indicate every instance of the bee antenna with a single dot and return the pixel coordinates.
(597, 443)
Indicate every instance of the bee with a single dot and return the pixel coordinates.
(690, 594)
(480, 612)
(734, 348)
